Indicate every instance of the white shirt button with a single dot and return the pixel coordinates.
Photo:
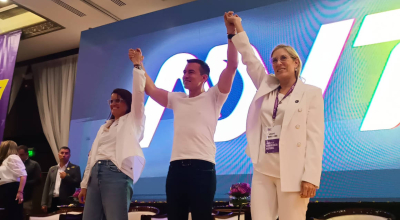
(299, 144)
(297, 126)
(300, 109)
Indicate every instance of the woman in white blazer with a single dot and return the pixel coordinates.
(116, 159)
(285, 133)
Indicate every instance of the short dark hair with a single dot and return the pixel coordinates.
(126, 96)
(23, 147)
(204, 68)
(65, 148)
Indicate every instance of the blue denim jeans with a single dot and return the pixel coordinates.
(109, 193)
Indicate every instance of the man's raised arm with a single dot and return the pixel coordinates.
(228, 74)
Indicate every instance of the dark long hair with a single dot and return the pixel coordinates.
(126, 96)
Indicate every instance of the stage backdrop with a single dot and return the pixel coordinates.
(350, 50)
(8, 53)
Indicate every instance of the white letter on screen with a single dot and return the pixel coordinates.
(379, 28)
(325, 53)
(384, 110)
(235, 125)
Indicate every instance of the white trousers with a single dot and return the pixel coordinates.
(268, 201)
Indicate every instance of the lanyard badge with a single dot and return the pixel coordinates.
(273, 133)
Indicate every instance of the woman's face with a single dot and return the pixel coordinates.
(117, 105)
(284, 65)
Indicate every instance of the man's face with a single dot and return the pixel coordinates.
(192, 78)
(23, 155)
(64, 155)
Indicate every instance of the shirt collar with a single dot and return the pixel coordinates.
(109, 123)
(66, 165)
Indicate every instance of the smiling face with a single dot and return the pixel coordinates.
(192, 77)
(284, 65)
(117, 105)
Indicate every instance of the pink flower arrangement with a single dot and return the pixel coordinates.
(76, 194)
(239, 190)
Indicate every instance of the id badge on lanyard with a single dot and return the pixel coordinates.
(272, 135)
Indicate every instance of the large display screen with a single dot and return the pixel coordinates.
(350, 49)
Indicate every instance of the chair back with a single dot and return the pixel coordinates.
(165, 217)
(229, 216)
(59, 215)
(155, 217)
(45, 217)
(71, 216)
(136, 212)
(358, 214)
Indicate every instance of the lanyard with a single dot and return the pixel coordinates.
(277, 102)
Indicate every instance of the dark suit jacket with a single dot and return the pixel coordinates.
(34, 173)
(67, 186)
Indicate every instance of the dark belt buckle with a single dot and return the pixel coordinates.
(186, 163)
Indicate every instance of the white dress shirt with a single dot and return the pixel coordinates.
(56, 192)
(12, 169)
(107, 143)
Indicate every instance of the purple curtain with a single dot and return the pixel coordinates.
(8, 54)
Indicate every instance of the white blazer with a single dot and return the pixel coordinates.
(302, 135)
(129, 155)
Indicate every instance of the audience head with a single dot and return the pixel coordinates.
(7, 148)
(286, 62)
(120, 103)
(64, 154)
(23, 152)
(196, 73)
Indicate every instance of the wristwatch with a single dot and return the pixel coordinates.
(138, 66)
(230, 36)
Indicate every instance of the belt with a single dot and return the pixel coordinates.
(105, 162)
(192, 162)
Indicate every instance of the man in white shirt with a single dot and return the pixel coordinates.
(191, 180)
(61, 182)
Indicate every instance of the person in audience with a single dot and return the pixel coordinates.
(191, 180)
(285, 133)
(61, 182)
(12, 181)
(116, 160)
(34, 174)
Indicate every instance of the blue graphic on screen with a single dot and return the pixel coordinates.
(355, 162)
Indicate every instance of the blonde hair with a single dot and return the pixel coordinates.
(7, 148)
(292, 53)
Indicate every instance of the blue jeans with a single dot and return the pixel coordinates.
(109, 193)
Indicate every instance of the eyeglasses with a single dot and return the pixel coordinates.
(116, 101)
(283, 59)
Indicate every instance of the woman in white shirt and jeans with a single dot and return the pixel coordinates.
(116, 159)
(12, 180)
(285, 133)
